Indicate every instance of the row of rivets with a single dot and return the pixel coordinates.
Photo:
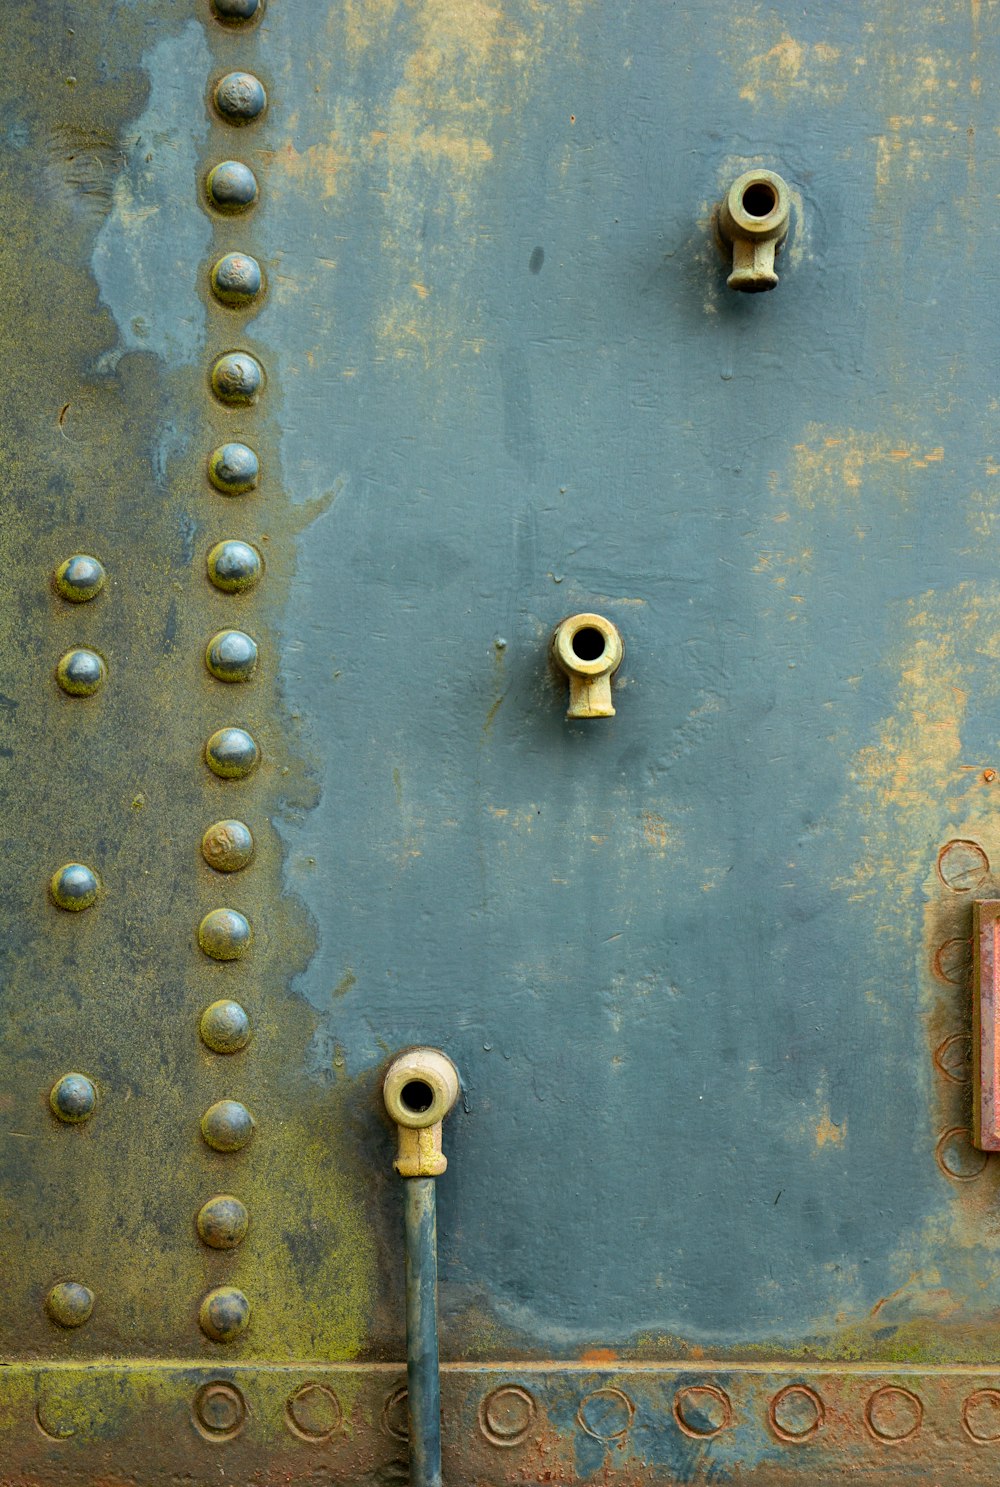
(81, 671)
(226, 845)
(226, 1126)
(231, 753)
(234, 567)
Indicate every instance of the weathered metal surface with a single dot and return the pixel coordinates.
(985, 1025)
(704, 966)
(502, 1423)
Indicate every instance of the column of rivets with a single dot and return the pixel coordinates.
(233, 566)
(80, 672)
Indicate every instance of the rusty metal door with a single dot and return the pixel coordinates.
(348, 348)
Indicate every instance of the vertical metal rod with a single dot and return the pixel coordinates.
(423, 1372)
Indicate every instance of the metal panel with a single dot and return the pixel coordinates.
(704, 965)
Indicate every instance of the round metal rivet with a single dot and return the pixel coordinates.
(231, 186)
(219, 1410)
(224, 934)
(227, 846)
(233, 469)
(240, 97)
(231, 753)
(80, 578)
(223, 1222)
(227, 1125)
(225, 1027)
(73, 1098)
(234, 566)
(81, 673)
(69, 1303)
(313, 1412)
(231, 655)
(224, 1314)
(237, 279)
(237, 378)
(74, 886)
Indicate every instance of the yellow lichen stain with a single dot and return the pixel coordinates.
(910, 788)
(317, 168)
(827, 1133)
(774, 67)
(657, 832)
(464, 66)
(830, 468)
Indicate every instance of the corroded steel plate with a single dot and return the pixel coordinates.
(348, 348)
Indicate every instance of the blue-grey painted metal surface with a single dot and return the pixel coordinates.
(702, 965)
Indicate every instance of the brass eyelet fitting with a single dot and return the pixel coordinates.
(420, 1087)
(753, 223)
(589, 649)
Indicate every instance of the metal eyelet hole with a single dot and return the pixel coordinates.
(589, 644)
(759, 199)
(416, 1096)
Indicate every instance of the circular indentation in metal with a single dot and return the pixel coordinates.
(954, 1058)
(80, 578)
(224, 1314)
(953, 961)
(227, 1125)
(237, 279)
(233, 469)
(796, 1413)
(73, 1098)
(237, 378)
(231, 186)
(231, 655)
(234, 566)
(505, 1416)
(240, 97)
(893, 1414)
(395, 1416)
(313, 1412)
(81, 672)
(702, 1410)
(957, 1157)
(225, 934)
(222, 1222)
(606, 1414)
(225, 1027)
(227, 846)
(231, 753)
(981, 1415)
(236, 10)
(69, 1303)
(54, 1417)
(74, 886)
(962, 866)
(219, 1410)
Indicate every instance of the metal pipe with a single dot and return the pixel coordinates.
(423, 1375)
(420, 1087)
